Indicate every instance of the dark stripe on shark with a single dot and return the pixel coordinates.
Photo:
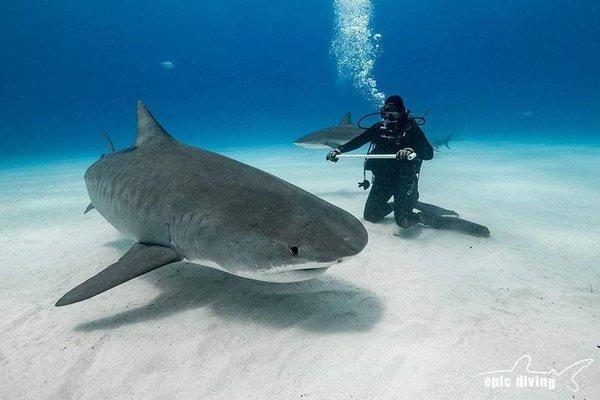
(140, 259)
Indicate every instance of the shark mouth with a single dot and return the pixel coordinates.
(282, 274)
(288, 273)
(295, 275)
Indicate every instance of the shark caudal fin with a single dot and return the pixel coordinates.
(109, 143)
(346, 119)
(448, 139)
(140, 259)
(148, 128)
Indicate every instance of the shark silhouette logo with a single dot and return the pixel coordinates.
(522, 376)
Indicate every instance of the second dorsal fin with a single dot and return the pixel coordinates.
(148, 128)
(346, 119)
(109, 143)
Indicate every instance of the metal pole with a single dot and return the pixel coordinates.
(411, 156)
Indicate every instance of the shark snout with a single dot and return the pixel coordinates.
(334, 239)
(352, 246)
(310, 145)
(353, 239)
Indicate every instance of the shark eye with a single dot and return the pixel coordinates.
(294, 250)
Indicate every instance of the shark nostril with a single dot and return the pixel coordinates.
(294, 250)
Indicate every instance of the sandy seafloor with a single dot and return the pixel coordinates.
(410, 317)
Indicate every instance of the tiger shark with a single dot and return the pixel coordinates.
(182, 203)
(332, 136)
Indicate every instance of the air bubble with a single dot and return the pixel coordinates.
(354, 48)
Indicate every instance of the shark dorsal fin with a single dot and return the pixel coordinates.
(148, 128)
(346, 119)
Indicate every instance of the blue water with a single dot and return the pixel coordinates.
(250, 73)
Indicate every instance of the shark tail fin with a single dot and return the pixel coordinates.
(140, 259)
(448, 139)
(346, 119)
(109, 143)
(148, 128)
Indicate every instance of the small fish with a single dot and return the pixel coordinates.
(167, 65)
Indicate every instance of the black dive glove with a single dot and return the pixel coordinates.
(332, 155)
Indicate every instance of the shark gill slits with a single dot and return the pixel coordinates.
(294, 251)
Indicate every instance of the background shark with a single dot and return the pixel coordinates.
(184, 203)
(341, 133)
(331, 137)
(439, 142)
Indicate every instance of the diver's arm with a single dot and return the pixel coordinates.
(423, 148)
(359, 141)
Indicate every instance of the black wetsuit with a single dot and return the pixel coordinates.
(398, 178)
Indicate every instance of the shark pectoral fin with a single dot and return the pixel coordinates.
(140, 259)
(433, 209)
(89, 208)
(346, 119)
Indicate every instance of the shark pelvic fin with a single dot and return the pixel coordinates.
(346, 119)
(109, 143)
(89, 208)
(148, 128)
(140, 259)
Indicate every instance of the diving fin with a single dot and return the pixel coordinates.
(140, 259)
(454, 224)
(89, 208)
(433, 209)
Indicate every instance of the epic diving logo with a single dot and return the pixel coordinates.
(521, 376)
(355, 47)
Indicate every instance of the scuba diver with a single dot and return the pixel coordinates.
(398, 133)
